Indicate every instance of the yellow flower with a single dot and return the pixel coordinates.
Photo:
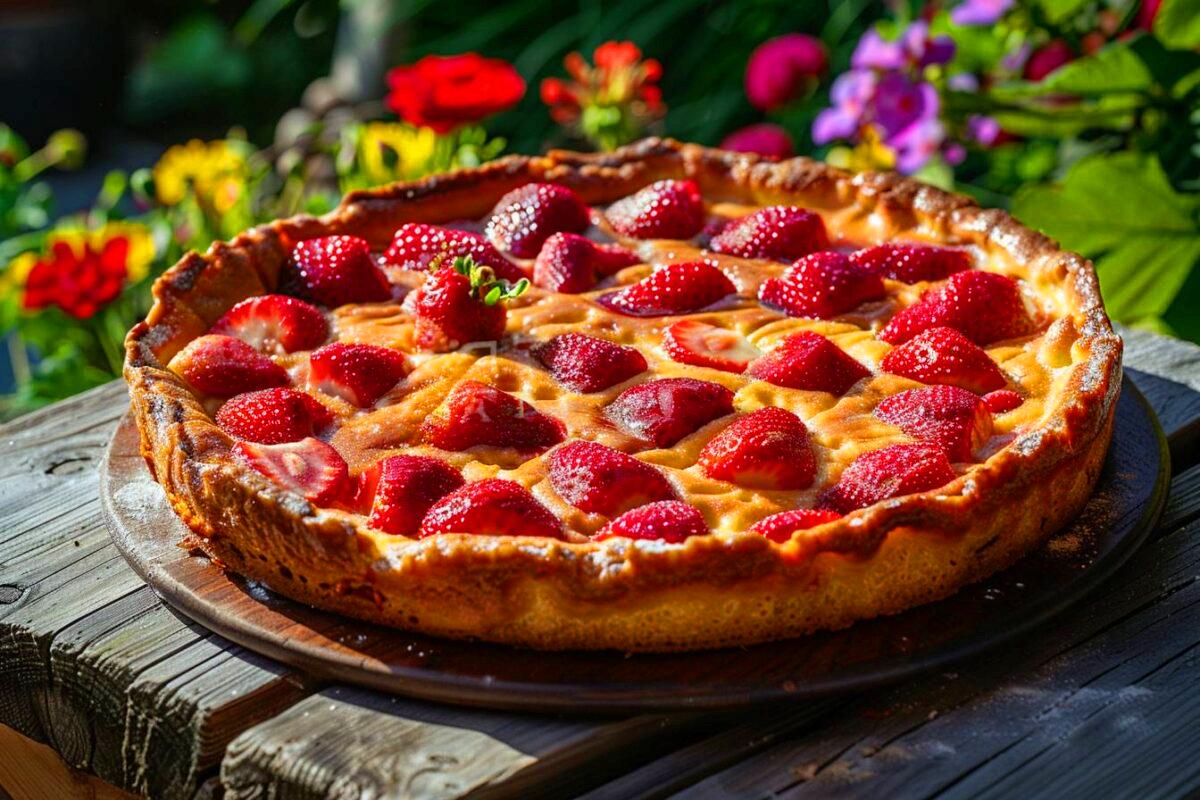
(137, 261)
(214, 171)
(869, 154)
(391, 151)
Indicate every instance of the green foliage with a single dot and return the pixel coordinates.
(1121, 210)
(1178, 24)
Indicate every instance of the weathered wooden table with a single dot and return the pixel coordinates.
(102, 686)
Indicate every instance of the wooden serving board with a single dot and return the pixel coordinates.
(1125, 507)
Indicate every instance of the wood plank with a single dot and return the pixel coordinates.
(1101, 671)
(1168, 373)
(30, 770)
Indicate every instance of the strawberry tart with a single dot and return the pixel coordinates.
(661, 399)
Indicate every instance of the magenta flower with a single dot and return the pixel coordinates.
(851, 93)
(764, 139)
(784, 68)
(980, 12)
(984, 130)
(900, 102)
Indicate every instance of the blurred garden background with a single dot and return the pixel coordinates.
(135, 130)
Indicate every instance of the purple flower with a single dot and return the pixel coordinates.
(916, 144)
(980, 12)
(915, 48)
(900, 102)
(984, 130)
(851, 93)
(963, 82)
(1014, 60)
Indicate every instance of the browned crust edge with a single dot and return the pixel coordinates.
(710, 591)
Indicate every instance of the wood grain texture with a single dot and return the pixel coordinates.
(30, 770)
(1126, 501)
(1168, 372)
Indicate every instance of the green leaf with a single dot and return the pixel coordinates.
(1177, 24)
(1058, 11)
(1121, 211)
(1116, 69)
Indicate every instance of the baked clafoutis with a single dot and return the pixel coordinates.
(665, 398)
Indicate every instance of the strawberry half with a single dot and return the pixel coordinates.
(358, 373)
(527, 216)
(222, 366)
(668, 521)
(821, 285)
(273, 416)
(1002, 401)
(308, 467)
(492, 507)
(668, 209)
(588, 364)
(693, 342)
(911, 263)
(766, 449)
(954, 418)
(780, 527)
(889, 472)
(405, 488)
(418, 246)
(273, 323)
(599, 480)
(664, 411)
(571, 263)
(336, 270)
(672, 289)
(984, 306)
(807, 360)
(477, 414)
(943, 355)
(783, 233)
(462, 303)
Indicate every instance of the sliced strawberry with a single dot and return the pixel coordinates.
(693, 342)
(889, 472)
(943, 355)
(405, 488)
(600, 480)
(954, 418)
(223, 366)
(821, 285)
(766, 449)
(1002, 401)
(666, 410)
(358, 373)
(807, 360)
(477, 414)
(273, 416)
(527, 216)
(667, 209)
(462, 303)
(668, 521)
(984, 306)
(308, 467)
(588, 364)
(912, 263)
(418, 246)
(571, 263)
(780, 527)
(336, 270)
(672, 289)
(492, 507)
(273, 323)
(783, 233)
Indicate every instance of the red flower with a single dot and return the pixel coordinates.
(1048, 58)
(80, 283)
(764, 139)
(445, 92)
(614, 55)
(783, 69)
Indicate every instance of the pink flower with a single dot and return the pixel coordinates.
(1047, 59)
(764, 139)
(851, 93)
(980, 12)
(914, 48)
(783, 69)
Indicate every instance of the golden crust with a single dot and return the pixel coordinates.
(723, 589)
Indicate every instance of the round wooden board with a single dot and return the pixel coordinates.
(1124, 509)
